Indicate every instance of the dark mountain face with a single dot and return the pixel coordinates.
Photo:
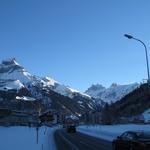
(45, 99)
(8, 99)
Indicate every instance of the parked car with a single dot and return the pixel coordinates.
(132, 140)
(71, 128)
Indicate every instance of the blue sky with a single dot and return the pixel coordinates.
(77, 42)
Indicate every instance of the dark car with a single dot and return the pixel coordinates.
(132, 140)
(71, 128)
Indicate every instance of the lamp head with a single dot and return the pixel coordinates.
(128, 36)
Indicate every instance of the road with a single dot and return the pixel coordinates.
(79, 141)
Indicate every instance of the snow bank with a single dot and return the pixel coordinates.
(109, 132)
(25, 138)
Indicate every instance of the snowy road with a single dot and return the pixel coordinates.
(79, 141)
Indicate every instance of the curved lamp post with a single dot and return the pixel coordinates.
(131, 37)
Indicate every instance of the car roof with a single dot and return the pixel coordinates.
(137, 131)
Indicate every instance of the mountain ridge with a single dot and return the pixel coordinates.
(111, 94)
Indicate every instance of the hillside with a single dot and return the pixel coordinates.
(133, 104)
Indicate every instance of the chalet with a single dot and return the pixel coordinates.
(48, 117)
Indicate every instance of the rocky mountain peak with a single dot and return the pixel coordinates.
(96, 87)
(11, 70)
(114, 85)
(113, 93)
(10, 61)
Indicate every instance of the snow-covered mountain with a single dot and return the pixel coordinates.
(111, 94)
(15, 77)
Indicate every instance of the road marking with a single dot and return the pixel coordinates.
(69, 143)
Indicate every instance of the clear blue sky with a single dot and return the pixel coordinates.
(77, 42)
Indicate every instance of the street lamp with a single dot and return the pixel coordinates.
(131, 37)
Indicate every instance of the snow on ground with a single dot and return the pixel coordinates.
(109, 132)
(24, 138)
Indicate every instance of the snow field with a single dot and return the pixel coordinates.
(109, 132)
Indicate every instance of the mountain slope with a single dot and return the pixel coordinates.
(62, 89)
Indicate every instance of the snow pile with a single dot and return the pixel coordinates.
(113, 93)
(110, 132)
(24, 138)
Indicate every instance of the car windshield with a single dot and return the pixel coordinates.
(143, 135)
